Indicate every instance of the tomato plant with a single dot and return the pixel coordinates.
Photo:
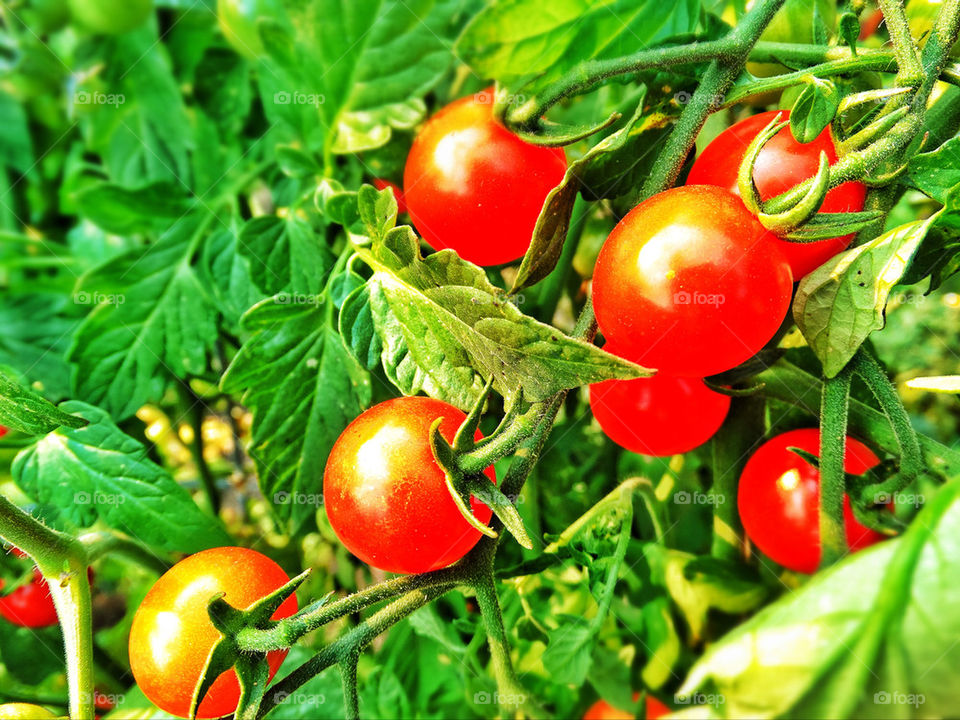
(782, 163)
(172, 635)
(686, 283)
(385, 494)
(602, 710)
(778, 499)
(473, 186)
(487, 441)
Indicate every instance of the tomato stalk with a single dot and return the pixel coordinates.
(834, 408)
(904, 47)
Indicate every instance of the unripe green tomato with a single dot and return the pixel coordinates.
(45, 16)
(110, 17)
(25, 711)
(238, 21)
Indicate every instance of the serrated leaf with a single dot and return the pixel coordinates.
(152, 320)
(515, 39)
(285, 254)
(839, 304)
(442, 315)
(360, 67)
(28, 412)
(124, 210)
(97, 473)
(35, 340)
(304, 388)
(226, 274)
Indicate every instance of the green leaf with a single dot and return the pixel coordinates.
(152, 320)
(839, 304)
(949, 384)
(874, 634)
(304, 388)
(285, 254)
(35, 340)
(28, 412)
(360, 67)
(814, 109)
(26, 653)
(569, 651)
(515, 39)
(441, 327)
(16, 148)
(226, 274)
(937, 172)
(97, 473)
(123, 210)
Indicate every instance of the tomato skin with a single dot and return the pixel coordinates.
(687, 284)
(25, 711)
(3, 431)
(660, 415)
(380, 184)
(110, 17)
(171, 635)
(778, 499)
(602, 710)
(473, 186)
(385, 495)
(30, 605)
(782, 163)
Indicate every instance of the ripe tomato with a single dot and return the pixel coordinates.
(782, 163)
(29, 605)
(779, 499)
(474, 186)
(380, 184)
(660, 415)
(3, 431)
(238, 21)
(110, 17)
(386, 496)
(172, 635)
(602, 710)
(687, 284)
(25, 711)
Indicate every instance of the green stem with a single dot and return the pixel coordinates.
(348, 676)
(834, 408)
(511, 695)
(62, 562)
(350, 643)
(904, 47)
(500, 445)
(195, 410)
(708, 97)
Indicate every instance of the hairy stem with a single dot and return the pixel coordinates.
(833, 432)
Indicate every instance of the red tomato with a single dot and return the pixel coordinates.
(386, 496)
(3, 431)
(660, 415)
(29, 605)
(686, 284)
(472, 185)
(779, 499)
(782, 163)
(172, 635)
(602, 710)
(380, 184)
